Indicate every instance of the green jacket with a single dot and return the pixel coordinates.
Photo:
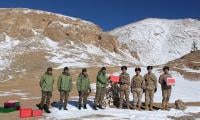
(46, 82)
(83, 83)
(64, 82)
(101, 79)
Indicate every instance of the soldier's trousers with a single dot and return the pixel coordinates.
(149, 94)
(64, 98)
(99, 97)
(83, 97)
(166, 93)
(122, 94)
(137, 96)
(46, 96)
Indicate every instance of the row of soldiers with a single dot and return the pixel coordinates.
(138, 84)
(144, 84)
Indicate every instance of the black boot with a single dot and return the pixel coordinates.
(65, 108)
(60, 107)
(95, 107)
(100, 107)
(84, 107)
(79, 107)
(46, 109)
(39, 106)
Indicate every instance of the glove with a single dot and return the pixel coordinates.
(155, 90)
(79, 92)
(90, 90)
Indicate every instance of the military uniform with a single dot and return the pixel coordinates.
(83, 85)
(150, 89)
(100, 88)
(46, 84)
(64, 87)
(166, 90)
(137, 87)
(124, 81)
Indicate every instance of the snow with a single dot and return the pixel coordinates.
(191, 70)
(182, 90)
(157, 41)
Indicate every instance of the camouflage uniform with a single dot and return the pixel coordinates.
(83, 85)
(137, 86)
(166, 90)
(124, 81)
(46, 84)
(64, 87)
(150, 87)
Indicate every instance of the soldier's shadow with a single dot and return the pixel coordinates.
(73, 103)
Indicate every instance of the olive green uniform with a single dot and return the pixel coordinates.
(150, 86)
(46, 84)
(83, 85)
(64, 85)
(100, 88)
(166, 90)
(124, 81)
(137, 87)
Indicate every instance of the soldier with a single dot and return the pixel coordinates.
(64, 87)
(83, 85)
(166, 89)
(137, 87)
(100, 88)
(150, 87)
(46, 84)
(124, 81)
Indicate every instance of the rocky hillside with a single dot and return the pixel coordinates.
(31, 40)
(157, 41)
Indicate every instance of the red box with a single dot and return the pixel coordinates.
(37, 113)
(171, 81)
(25, 113)
(114, 78)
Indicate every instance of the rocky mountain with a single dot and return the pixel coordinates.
(31, 40)
(157, 41)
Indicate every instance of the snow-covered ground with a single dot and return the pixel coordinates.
(184, 89)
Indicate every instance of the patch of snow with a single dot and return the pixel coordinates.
(157, 41)
(191, 70)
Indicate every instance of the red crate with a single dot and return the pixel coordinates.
(114, 78)
(25, 113)
(171, 81)
(37, 113)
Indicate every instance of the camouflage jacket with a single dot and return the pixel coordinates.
(137, 82)
(150, 81)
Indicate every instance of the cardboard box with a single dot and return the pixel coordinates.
(37, 113)
(25, 112)
(114, 78)
(171, 81)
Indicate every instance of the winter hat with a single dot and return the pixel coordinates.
(84, 70)
(123, 68)
(103, 68)
(166, 67)
(149, 67)
(138, 69)
(66, 68)
(49, 69)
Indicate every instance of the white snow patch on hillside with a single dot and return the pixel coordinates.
(157, 41)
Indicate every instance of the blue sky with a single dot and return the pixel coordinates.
(110, 14)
